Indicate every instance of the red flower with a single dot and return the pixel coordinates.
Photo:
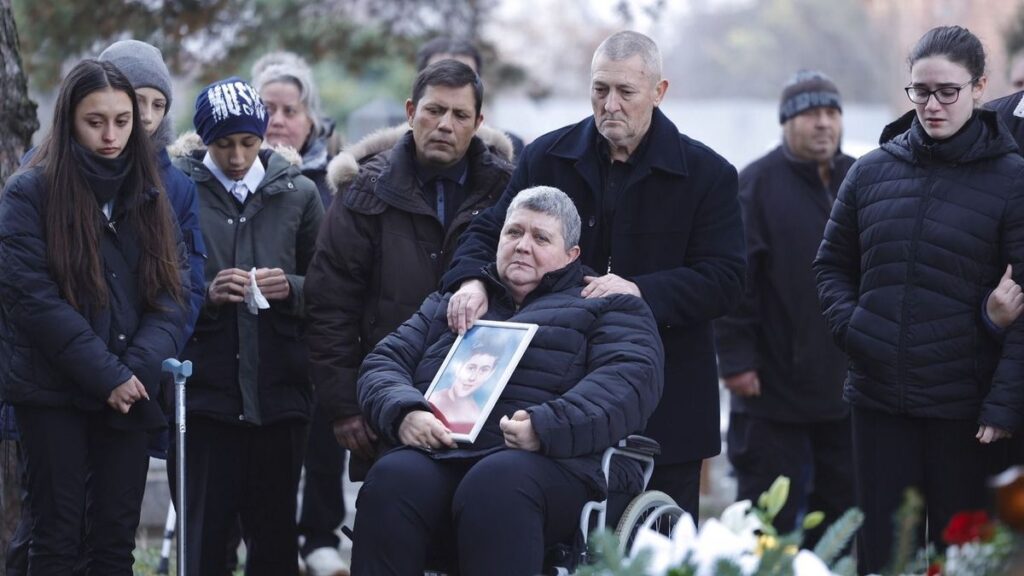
(934, 570)
(968, 526)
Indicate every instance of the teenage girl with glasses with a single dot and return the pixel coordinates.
(922, 229)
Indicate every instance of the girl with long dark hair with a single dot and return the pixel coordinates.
(922, 229)
(91, 302)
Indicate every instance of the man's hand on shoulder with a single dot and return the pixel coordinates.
(607, 285)
(467, 305)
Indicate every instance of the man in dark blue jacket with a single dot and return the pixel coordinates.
(775, 353)
(660, 220)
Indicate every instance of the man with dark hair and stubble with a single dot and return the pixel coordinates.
(403, 199)
(446, 47)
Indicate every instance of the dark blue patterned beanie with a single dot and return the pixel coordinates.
(230, 106)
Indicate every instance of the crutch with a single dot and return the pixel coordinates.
(164, 567)
(181, 371)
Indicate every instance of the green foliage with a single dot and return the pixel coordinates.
(813, 520)
(726, 567)
(838, 535)
(213, 38)
(847, 566)
(906, 521)
(770, 503)
(603, 547)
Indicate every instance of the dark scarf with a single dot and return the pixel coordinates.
(950, 149)
(103, 175)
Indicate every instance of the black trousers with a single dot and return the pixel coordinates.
(681, 481)
(491, 516)
(247, 472)
(16, 562)
(817, 457)
(323, 499)
(84, 490)
(941, 458)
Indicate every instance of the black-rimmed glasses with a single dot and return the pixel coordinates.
(944, 95)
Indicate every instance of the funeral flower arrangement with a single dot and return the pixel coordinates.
(742, 542)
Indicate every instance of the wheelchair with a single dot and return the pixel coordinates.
(650, 509)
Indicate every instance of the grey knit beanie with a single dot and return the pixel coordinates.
(143, 65)
(805, 90)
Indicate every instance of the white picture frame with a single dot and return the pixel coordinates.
(474, 374)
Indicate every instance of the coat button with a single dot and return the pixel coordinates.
(242, 219)
(231, 221)
(291, 186)
(591, 222)
(113, 274)
(433, 255)
(475, 212)
(241, 417)
(121, 337)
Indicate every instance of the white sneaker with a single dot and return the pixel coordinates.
(326, 562)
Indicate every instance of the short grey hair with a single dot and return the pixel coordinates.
(553, 202)
(289, 67)
(626, 44)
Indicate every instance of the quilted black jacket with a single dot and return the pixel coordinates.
(920, 232)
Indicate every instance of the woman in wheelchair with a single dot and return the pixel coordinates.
(591, 375)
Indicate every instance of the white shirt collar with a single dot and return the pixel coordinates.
(251, 179)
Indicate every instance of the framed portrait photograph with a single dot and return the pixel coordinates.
(476, 370)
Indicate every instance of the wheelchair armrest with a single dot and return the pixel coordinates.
(640, 445)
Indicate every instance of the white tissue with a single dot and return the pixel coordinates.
(254, 299)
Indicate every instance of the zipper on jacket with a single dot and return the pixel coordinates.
(901, 347)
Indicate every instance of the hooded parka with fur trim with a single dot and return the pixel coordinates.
(251, 369)
(382, 250)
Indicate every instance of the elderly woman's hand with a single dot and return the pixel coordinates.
(421, 429)
(519, 432)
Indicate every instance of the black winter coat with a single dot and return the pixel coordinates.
(778, 329)
(181, 193)
(1010, 110)
(380, 253)
(920, 233)
(591, 376)
(51, 354)
(677, 234)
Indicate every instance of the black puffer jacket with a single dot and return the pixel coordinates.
(919, 234)
(51, 354)
(592, 374)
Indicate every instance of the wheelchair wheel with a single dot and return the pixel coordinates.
(652, 509)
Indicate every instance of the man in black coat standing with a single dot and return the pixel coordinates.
(775, 353)
(660, 221)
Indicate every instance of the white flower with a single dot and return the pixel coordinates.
(739, 519)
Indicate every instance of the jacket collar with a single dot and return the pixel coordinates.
(990, 138)
(397, 186)
(663, 150)
(552, 282)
